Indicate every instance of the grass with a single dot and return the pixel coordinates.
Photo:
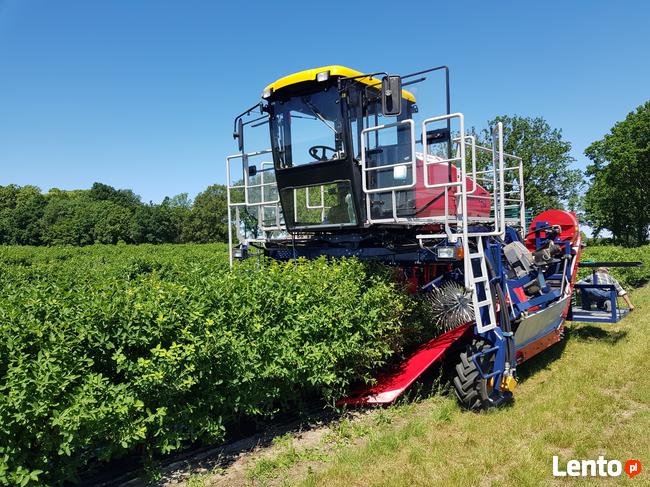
(277, 465)
(585, 397)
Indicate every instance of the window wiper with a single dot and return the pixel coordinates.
(319, 115)
(293, 115)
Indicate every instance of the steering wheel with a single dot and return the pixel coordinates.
(313, 151)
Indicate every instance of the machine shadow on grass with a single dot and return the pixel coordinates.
(592, 333)
(547, 357)
(541, 361)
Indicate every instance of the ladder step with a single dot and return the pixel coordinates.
(485, 302)
(480, 279)
(474, 255)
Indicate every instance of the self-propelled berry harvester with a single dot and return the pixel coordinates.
(354, 170)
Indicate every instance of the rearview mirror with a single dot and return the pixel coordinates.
(239, 135)
(391, 95)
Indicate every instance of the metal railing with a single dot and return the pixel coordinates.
(499, 181)
(260, 196)
(319, 206)
(367, 171)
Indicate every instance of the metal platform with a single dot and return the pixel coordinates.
(598, 315)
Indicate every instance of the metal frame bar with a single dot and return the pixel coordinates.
(461, 203)
(247, 186)
(246, 203)
(496, 176)
(365, 169)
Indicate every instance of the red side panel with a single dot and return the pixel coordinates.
(566, 220)
(390, 386)
(439, 173)
(519, 291)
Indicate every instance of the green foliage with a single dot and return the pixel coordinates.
(153, 224)
(122, 197)
(618, 199)
(21, 210)
(208, 220)
(629, 277)
(107, 215)
(109, 350)
(549, 180)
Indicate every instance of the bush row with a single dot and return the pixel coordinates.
(105, 351)
(110, 350)
(629, 277)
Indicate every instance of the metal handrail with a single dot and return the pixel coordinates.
(365, 169)
(247, 203)
(261, 185)
(455, 225)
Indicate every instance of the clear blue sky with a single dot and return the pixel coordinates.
(141, 94)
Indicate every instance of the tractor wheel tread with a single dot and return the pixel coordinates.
(464, 358)
(471, 390)
(468, 378)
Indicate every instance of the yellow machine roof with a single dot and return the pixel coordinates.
(335, 70)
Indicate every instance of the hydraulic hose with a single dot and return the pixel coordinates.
(506, 325)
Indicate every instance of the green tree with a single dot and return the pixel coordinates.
(618, 198)
(79, 217)
(549, 180)
(112, 222)
(21, 209)
(153, 224)
(180, 208)
(103, 214)
(122, 197)
(67, 219)
(208, 220)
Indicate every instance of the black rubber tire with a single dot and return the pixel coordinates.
(473, 392)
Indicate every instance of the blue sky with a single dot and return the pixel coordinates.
(141, 94)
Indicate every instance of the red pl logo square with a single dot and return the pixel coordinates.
(632, 468)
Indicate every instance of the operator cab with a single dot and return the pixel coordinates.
(348, 166)
(316, 118)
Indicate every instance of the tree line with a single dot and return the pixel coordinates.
(618, 198)
(612, 195)
(103, 214)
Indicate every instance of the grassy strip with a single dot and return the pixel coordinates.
(594, 400)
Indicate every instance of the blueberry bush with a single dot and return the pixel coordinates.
(629, 277)
(108, 351)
